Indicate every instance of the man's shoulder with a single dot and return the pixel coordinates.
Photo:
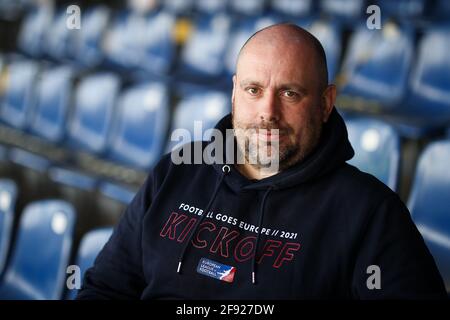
(351, 180)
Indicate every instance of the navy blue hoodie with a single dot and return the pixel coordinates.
(320, 229)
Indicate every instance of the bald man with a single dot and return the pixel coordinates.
(279, 214)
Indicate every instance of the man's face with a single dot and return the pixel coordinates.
(276, 88)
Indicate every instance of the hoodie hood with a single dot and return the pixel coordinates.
(333, 150)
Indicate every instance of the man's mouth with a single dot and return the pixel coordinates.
(267, 135)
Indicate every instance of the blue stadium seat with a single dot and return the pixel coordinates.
(53, 94)
(345, 11)
(248, 7)
(90, 246)
(95, 100)
(138, 42)
(48, 122)
(429, 203)
(207, 107)
(139, 135)
(239, 35)
(31, 39)
(59, 38)
(211, 6)
(113, 198)
(293, 8)
(402, 9)
(428, 99)
(41, 253)
(141, 124)
(377, 65)
(90, 124)
(377, 149)
(18, 100)
(121, 193)
(203, 53)
(87, 49)
(178, 7)
(8, 195)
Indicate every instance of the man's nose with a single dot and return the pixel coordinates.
(270, 108)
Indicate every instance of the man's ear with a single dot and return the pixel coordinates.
(328, 100)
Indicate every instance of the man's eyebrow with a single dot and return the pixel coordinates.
(287, 86)
(293, 86)
(247, 82)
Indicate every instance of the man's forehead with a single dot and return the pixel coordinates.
(279, 36)
(291, 66)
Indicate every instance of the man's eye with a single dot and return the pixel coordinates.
(290, 94)
(253, 91)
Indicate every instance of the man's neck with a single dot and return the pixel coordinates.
(254, 173)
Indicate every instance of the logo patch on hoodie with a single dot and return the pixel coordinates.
(216, 270)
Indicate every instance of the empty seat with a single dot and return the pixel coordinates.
(377, 149)
(137, 42)
(377, 66)
(141, 125)
(203, 53)
(347, 11)
(90, 246)
(90, 122)
(402, 9)
(8, 195)
(89, 126)
(179, 7)
(429, 203)
(18, 100)
(211, 6)
(41, 252)
(121, 193)
(53, 94)
(87, 44)
(249, 7)
(428, 100)
(195, 114)
(139, 135)
(48, 122)
(59, 38)
(293, 8)
(36, 23)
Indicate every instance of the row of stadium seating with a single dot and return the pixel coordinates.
(39, 271)
(400, 71)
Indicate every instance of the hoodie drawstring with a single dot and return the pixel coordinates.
(261, 216)
(225, 169)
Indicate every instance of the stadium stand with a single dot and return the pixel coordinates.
(86, 113)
